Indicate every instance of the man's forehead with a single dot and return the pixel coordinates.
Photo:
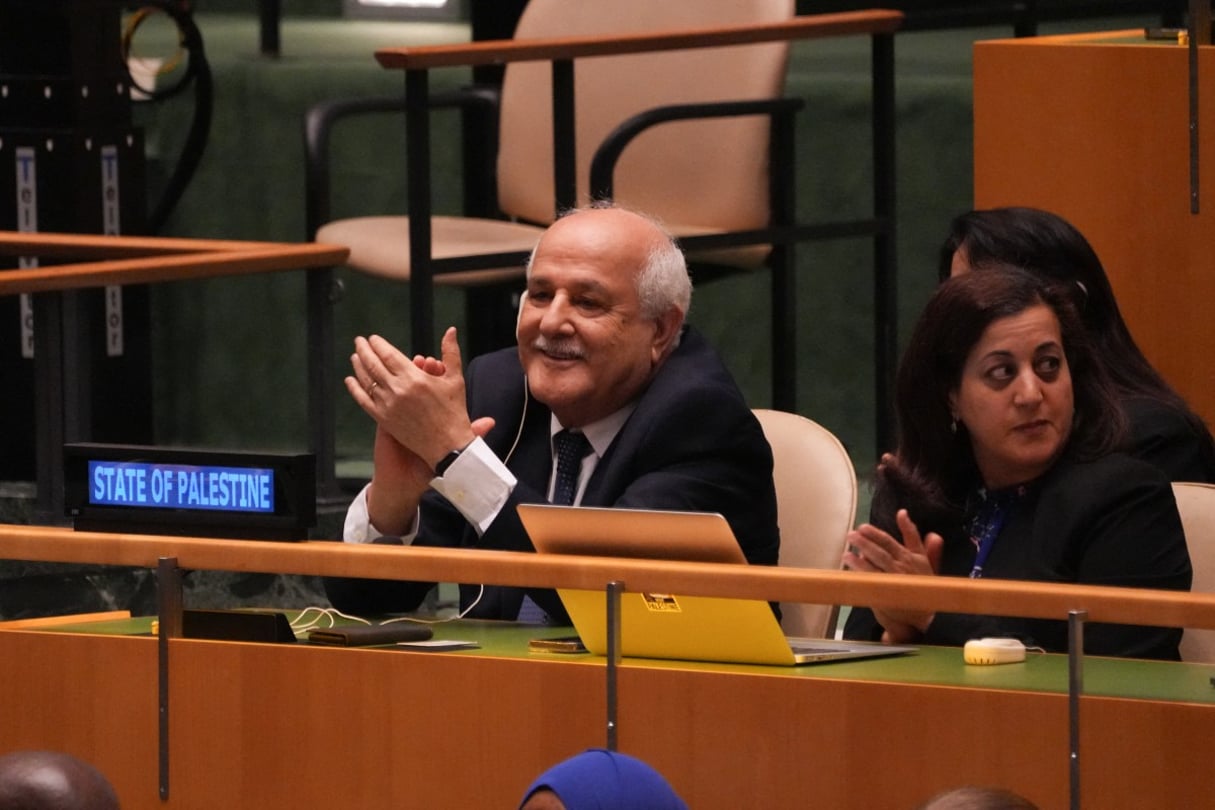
(574, 266)
(598, 233)
(582, 277)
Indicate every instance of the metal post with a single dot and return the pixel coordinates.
(269, 13)
(564, 136)
(885, 282)
(417, 172)
(323, 290)
(169, 604)
(614, 591)
(49, 360)
(782, 264)
(1199, 34)
(1075, 685)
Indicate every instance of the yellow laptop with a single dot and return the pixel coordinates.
(685, 628)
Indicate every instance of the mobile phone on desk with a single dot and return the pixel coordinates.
(1161, 33)
(560, 644)
(439, 644)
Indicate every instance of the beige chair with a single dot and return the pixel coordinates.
(816, 493)
(1196, 503)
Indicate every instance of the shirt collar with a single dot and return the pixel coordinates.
(601, 433)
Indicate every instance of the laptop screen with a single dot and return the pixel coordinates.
(637, 533)
(663, 625)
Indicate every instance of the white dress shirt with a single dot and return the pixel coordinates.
(478, 483)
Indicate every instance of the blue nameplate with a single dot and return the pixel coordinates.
(215, 493)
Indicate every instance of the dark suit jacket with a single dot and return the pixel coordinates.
(1112, 521)
(691, 444)
(1163, 437)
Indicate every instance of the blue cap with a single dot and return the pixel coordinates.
(605, 780)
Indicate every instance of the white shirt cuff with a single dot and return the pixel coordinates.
(358, 528)
(477, 484)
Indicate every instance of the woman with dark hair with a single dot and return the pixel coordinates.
(1007, 466)
(1163, 429)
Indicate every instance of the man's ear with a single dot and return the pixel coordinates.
(666, 331)
(519, 314)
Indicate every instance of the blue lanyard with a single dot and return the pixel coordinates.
(986, 526)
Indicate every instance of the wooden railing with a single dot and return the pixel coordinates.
(490, 52)
(100, 260)
(321, 558)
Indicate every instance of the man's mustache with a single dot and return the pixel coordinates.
(560, 348)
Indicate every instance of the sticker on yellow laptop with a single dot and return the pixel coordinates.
(661, 602)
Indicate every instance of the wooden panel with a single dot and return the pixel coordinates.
(92, 696)
(297, 726)
(1098, 132)
(1146, 754)
(372, 728)
(864, 745)
(848, 744)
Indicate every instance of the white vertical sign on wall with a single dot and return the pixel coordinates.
(111, 224)
(27, 220)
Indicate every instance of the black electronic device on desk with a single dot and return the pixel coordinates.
(179, 491)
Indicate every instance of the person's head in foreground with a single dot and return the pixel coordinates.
(48, 780)
(601, 780)
(973, 797)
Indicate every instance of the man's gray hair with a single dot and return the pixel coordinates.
(664, 281)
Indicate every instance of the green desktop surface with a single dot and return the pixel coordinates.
(927, 666)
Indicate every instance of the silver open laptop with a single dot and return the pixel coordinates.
(686, 628)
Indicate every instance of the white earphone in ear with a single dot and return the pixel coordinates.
(519, 314)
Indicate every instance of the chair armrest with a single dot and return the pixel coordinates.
(320, 118)
(813, 26)
(603, 164)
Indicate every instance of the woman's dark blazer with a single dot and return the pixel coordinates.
(1112, 521)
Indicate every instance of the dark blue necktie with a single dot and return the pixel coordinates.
(570, 449)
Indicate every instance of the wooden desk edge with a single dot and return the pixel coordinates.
(177, 265)
(75, 618)
(872, 21)
(815, 586)
(1087, 38)
(88, 245)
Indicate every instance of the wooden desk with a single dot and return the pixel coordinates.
(279, 726)
(1095, 127)
(272, 726)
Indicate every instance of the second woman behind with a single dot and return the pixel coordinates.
(1163, 430)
